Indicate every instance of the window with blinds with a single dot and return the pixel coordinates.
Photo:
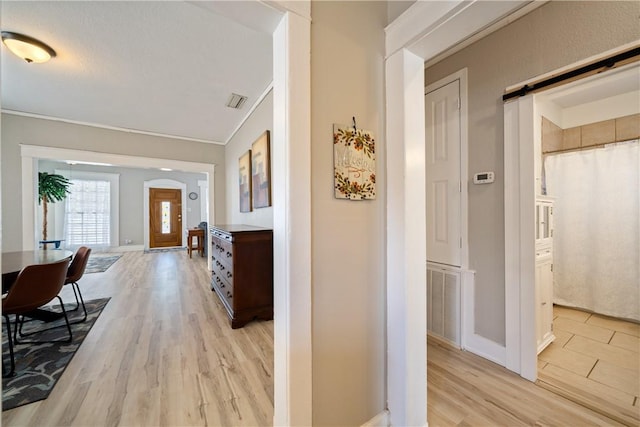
(88, 213)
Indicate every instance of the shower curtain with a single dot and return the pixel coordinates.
(596, 238)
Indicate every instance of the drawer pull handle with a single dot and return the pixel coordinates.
(229, 295)
(229, 254)
(229, 274)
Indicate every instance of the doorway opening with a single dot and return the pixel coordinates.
(593, 103)
(164, 209)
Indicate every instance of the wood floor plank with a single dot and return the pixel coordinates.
(467, 390)
(158, 353)
(626, 341)
(562, 337)
(600, 398)
(596, 333)
(572, 361)
(614, 376)
(618, 356)
(162, 353)
(615, 324)
(570, 313)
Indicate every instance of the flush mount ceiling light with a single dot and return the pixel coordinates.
(236, 101)
(27, 48)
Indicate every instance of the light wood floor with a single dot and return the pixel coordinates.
(161, 353)
(594, 360)
(467, 390)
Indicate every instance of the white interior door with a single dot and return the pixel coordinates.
(443, 187)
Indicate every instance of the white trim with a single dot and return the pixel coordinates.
(31, 153)
(114, 188)
(163, 183)
(415, 23)
(529, 7)
(291, 157)
(127, 248)
(100, 126)
(204, 200)
(29, 203)
(380, 420)
(406, 241)
(519, 201)
(511, 236)
(430, 28)
(462, 76)
(415, 31)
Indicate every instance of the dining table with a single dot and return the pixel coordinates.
(14, 262)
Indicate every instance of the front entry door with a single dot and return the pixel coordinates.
(165, 217)
(444, 235)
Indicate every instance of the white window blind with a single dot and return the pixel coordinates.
(88, 213)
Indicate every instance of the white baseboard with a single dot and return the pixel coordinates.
(127, 248)
(380, 420)
(486, 348)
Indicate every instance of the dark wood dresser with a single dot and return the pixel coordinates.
(242, 271)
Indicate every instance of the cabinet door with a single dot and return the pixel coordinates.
(544, 222)
(544, 302)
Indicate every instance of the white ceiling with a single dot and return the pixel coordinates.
(164, 67)
(614, 82)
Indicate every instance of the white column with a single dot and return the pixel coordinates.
(519, 206)
(29, 203)
(291, 151)
(406, 253)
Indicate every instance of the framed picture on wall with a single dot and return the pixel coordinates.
(261, 171)
(244, 181)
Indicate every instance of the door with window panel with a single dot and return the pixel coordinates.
(165, 217)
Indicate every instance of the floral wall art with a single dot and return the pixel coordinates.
(354, 159)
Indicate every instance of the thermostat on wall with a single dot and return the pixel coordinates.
(483, 178)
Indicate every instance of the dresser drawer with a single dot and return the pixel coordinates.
(218, 281)
(242, 271)
(222, 250)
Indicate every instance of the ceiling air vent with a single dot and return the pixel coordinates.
(236, 101)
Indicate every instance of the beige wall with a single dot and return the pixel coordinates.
(348, 237)
(260, 120)
(18, 130)
(552, 36)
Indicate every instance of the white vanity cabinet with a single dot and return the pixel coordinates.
(544, 272)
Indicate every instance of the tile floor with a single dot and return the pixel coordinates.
(597, 354)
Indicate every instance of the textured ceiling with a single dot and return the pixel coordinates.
(160, 67)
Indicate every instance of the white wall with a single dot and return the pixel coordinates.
(348, 237)
(260, 120)
(131, 197)
(550, 37)
(604, 109)
(18, 130)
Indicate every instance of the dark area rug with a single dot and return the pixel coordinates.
(101, 262)
(39, 366)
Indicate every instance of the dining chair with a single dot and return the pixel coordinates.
(75, 273)
(36, 285)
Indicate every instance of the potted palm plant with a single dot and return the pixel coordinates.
(51, 188)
